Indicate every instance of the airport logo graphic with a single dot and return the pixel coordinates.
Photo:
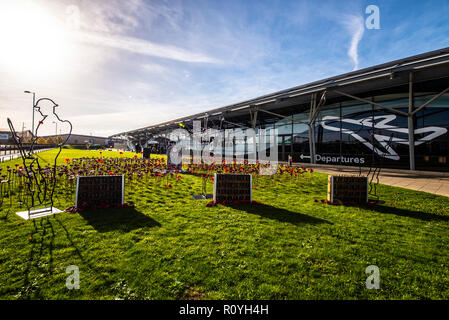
(382, 123)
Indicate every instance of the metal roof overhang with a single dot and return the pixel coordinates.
(430, 73)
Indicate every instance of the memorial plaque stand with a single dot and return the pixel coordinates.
(203, 196)
(100, 190)
(146, 153)
(353, 189)
(232, 187)
(38, 213)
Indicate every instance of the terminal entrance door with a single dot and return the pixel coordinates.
(284, 146)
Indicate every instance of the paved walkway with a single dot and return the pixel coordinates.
(9, 157)
(17, 155)
(427, 181)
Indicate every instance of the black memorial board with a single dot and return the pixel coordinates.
(347, 189)
(232, 187)
(146, 153)
(99, 190)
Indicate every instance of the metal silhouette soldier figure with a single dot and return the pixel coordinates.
(40, 182)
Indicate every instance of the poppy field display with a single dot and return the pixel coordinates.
(102, 181)
(289, 243)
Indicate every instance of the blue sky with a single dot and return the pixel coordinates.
(119, 65)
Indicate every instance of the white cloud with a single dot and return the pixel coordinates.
(355, 25)
(144, 47)
(154, 68)
(112, 16)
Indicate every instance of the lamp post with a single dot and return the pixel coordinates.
(56, 131)
(34, 98)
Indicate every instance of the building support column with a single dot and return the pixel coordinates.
(253, 115)
(312, 129)
(411, 126)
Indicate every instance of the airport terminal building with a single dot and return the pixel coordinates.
(393, 115)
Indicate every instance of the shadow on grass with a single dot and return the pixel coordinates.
(122, 219)
(425, 216)
(77, 250)
(30, 289)
(279, 214)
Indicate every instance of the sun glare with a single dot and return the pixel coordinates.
(33, 42)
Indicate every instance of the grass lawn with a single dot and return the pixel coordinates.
(171, 246)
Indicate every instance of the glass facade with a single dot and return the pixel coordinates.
(353, 133)
(359, 134)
